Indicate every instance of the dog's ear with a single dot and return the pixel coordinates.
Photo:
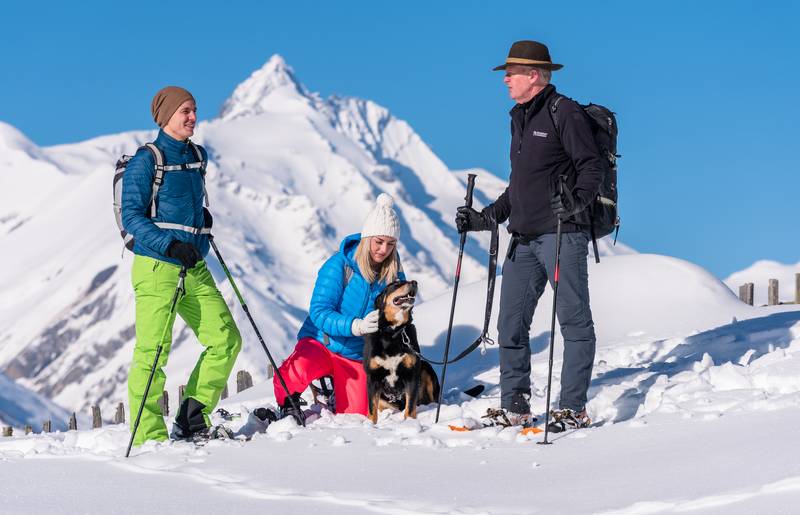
(379, 300)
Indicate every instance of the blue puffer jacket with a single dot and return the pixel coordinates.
(180, 200)
(335, 304)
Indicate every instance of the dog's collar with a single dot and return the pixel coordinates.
(406, 338)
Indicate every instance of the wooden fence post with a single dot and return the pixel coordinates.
(243, 380)
(270, 371)
(181, 391)
(8, 431)
(746, 293)
(97, 419)
(224, 392)
(28, 430)
(164, 403)
(119, 416)
(46, 426)
(772, 293)
(797, 288)
(73, 422)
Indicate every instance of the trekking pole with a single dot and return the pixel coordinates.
(255, 328)
(468, 199)
(170, 320)
(553, 324)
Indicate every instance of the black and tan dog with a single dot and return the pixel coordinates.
(396, 375)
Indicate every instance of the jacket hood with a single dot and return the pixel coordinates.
(348, 249)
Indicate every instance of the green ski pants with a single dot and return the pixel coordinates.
(205, 312)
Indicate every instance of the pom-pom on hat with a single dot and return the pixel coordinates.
(382, 220)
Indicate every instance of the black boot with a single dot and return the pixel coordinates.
(189, 421)
(287, 409)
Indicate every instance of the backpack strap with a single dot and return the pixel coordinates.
(161, 168)
(158, 178)
(348, 274)
(203, 164)
(553, 108)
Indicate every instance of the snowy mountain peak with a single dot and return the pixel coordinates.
(253, 95)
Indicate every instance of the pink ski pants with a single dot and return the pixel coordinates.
(312, 360)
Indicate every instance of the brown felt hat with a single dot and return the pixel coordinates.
(529, 53)
(166, 102)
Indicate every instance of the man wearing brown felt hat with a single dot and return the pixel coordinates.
(542, 152)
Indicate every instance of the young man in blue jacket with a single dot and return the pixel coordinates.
(170, 226)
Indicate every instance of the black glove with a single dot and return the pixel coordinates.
(467, 219)
(564, 205)
(208, 220)
(184, 252)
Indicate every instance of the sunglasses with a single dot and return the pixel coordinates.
(518, 71)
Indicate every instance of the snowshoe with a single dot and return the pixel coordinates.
(203, 436)
(503, 418)
(324, 394)
(288, 409)
(565, 419)
(220, 432)
(226, 415)
(506, 418)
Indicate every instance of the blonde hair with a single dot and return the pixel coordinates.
(389, 268)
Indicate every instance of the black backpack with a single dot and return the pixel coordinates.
(603, 215)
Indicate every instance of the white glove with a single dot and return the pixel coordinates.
(366, 325)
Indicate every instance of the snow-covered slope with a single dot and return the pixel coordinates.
(20, 407)
(28, 178)
(290, 174)
(694, 398)
(759, 273)
(635, 298)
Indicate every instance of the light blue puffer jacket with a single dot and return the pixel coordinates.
(180, 200)
(336, 302)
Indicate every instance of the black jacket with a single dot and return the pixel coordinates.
(539, 155)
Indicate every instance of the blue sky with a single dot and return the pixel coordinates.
(705, 92)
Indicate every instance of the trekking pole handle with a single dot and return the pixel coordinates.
(470, 187)
(562, 181)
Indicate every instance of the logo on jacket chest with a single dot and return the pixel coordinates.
(539, 134)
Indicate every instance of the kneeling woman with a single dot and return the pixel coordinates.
(342, 311)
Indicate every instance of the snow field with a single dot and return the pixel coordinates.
(701, 423)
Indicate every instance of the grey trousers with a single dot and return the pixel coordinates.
(526, 271)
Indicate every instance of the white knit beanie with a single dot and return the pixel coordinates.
(382, 220)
